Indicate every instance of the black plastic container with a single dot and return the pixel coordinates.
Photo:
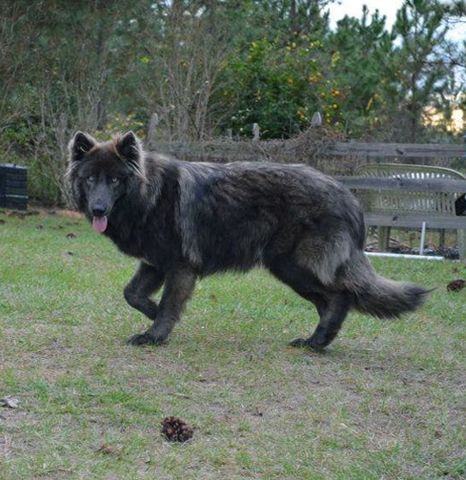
(13, 186)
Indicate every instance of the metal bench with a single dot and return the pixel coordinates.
(401, 195)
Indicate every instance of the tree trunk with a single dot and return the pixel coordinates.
(100, 51)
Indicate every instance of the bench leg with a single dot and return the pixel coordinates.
(441, 241)
(423, 238)
(461, 241)
(384, 238)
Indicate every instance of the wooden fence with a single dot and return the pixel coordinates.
(326, 154)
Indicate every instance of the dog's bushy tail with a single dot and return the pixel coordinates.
(377, 295)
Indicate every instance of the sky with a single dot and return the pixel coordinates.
(388, 8)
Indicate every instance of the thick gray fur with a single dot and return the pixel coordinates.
(187, 220)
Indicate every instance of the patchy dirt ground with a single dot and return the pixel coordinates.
(385, 401)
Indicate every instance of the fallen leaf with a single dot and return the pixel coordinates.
(9, 402)
(106, 449)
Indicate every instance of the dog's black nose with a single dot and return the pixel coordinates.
(98, 211)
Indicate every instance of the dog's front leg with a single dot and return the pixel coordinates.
(146, 281)
(179, 285)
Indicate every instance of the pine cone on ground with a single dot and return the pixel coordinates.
(456, 285)
(176, 430)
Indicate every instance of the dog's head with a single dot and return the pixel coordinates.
(102, 174)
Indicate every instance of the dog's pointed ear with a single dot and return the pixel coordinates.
(79, 145)
(129, 147)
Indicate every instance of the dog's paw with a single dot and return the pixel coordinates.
(299, 343)
(306, 343)
(145, 339)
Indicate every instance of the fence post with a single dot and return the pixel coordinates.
(151, 130)
(316, 120)
(255, 132)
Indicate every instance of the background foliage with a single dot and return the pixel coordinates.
(209, 66)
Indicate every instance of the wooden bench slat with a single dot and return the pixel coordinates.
(413, 220)
(396, 150)
(404, 184)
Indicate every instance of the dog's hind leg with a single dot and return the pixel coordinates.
(179, 285)
(146, 281)
(331, 318)
(332, 306)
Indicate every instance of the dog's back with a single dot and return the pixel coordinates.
(237, 215)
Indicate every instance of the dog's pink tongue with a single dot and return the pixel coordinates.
(99, 224)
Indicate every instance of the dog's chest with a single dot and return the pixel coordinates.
(151, 247)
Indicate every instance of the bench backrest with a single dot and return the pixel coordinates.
(428, 202)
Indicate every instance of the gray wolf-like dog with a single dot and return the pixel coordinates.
(186, 220)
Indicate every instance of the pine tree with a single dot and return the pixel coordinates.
(363, 48)
(419, 68)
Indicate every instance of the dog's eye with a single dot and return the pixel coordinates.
(115, 180)
(90, 179)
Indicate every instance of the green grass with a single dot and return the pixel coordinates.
(385, 402)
